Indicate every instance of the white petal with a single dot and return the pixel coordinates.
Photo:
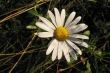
(74, 22)
(47, 22)
(52, 45)
(73, 54)
(51, 15)
(80, 27)
(81, 43)
(43, 26)
(79, 36)
(70, 18)
(63, 13)
(71, 29)
(54, 54)
(66, 52)
(74, 46)
(45, 34)
(58, 17)
(60, 47)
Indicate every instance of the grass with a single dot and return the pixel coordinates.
(21, 53)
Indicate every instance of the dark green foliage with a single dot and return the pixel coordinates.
(14, 37)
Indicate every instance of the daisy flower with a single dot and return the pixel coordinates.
(65, 34)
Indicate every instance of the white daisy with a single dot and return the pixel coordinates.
(65, 34)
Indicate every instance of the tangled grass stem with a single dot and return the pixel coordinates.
(29, 44)
(21, 11)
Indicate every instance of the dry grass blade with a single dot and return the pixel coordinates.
(22, 54)
(31, 6)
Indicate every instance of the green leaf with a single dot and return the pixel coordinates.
(87, 33)
(31, 27)
(88, 67)
(33, 12)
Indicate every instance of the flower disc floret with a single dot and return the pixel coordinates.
(61, 33)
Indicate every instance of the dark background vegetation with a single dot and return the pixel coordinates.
(15, 36)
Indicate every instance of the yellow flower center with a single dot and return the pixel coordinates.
(61, 33)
